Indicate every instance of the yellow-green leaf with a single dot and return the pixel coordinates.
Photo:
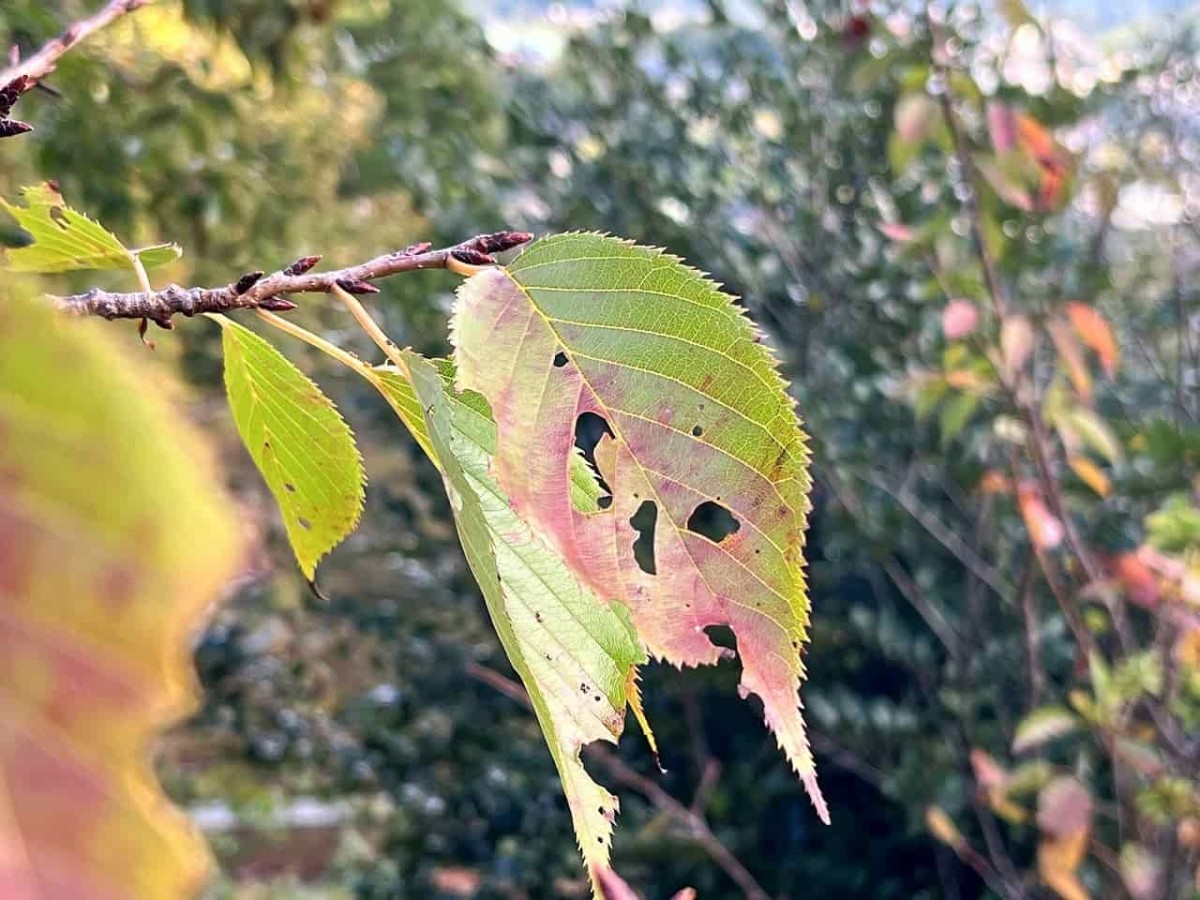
(300, 443)
(114, 539)
(64, 240)
(1043, 725)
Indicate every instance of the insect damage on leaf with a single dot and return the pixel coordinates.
(63, 240)
(576, 655)
(300, 443)
(699, 448)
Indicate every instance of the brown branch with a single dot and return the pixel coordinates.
(253, 291)
(43, 62)
(692, 822)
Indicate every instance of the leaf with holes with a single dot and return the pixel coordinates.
(576, 654)
(691, 433)
(300, 443)
(114, 538)
(63, 240)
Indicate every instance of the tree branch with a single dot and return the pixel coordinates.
(253, 291)
(43, 62)
(692, 821)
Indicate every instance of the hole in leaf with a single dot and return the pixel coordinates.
(697, 430)
(560, 360)
(713, 521)
(643, 522)
(589, 428)
(723, 637)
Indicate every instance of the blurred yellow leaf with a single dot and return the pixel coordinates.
(1095, 433)
(1065, 818)
(114, 540)
(1093, 330)
(942, 827)
(1090, 474)
(1058, 858)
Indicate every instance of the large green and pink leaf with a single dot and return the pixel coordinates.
(702, 452)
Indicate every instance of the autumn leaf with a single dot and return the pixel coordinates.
(699, 445)
(1070, 356)
(114, 539)
(1093, 330)
(1045, 530)
(1065, 817)
(1090, 474)
(576, 654)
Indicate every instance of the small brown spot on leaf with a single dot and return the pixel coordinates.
(304, 523)
(289, 487)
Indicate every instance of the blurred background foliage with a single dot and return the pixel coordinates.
(970, 234)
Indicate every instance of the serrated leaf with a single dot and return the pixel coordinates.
(159, 254)
(114, 538)
(1043, 725)
(63, 239)
(576, 654)
(300, 443)
(703, 434)
(585, 493)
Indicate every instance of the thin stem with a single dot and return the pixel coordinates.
(332, 350)
(43, 62)
(374, 332)
(693, 823)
